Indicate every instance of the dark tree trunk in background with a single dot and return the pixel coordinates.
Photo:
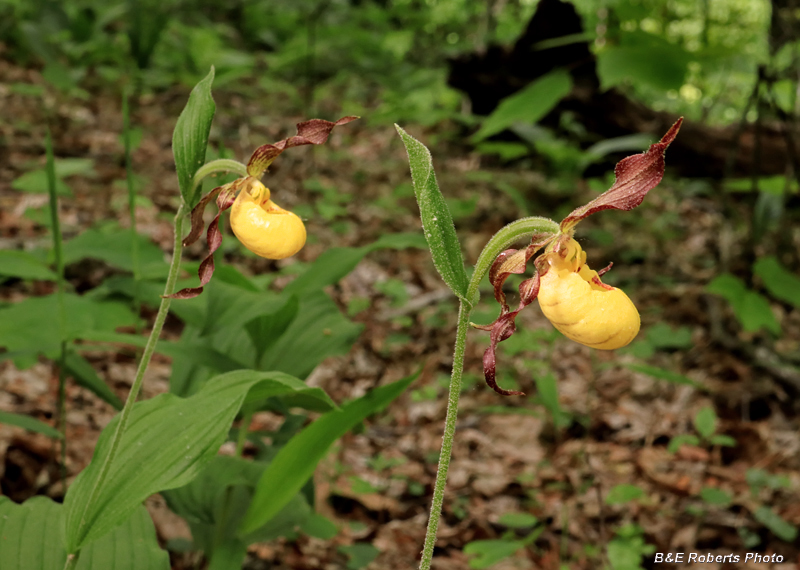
(700, 150)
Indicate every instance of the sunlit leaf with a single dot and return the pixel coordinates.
(437, 223)
(190, 137)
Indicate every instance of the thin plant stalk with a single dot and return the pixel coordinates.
(147, 354)
(155, 333)
(126, 136)
(55, 230)
(501, 241)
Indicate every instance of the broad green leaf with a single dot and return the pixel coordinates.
(715, 496)
(779, 527)
(659, 67)
(486, 553)
(781, 283)
(114, 245)
(624, 493)
(679, 440)
(220, 495)
(167, 441)
(320, 527)
(518, 520)
(29, 423)
(359, 554)
(30, 539)
(23, 265)
(334, 263)
(527, 105)
(437, 223)
(752, 310)
(29, 324)
(661, 335)
(86, 376)
(318, 331)
(705, 422)
(30, 535)
(295, 462)
(190, 137)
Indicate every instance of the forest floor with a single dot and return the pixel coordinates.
(613, 422)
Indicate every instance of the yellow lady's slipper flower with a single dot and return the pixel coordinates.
(582, 307)
(570, 294)
(263, 227)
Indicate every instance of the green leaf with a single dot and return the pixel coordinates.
(663, 336)
(752, 310)
(437, 223)
(660, 67)
(30, 539)
(486, 553)
(684, 439)
(715, 496)
(624, 493)
(518, 520)
(114, 245)
(295, 462)
(28, 325)
(359, 555)
(661, 374)
(705, 422)
(723, 440)
(190, 137)
(779, 527)
(781, 283)
(318, 331)
(547, 390)
(23, 265)
(527, 105)
(86, 376)
(30, 535)
(166, 443)
(29, 423)
(319, 527)
(216, 500)
(334, 263)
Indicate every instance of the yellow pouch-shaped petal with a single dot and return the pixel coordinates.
(584, 309)
(265, 228)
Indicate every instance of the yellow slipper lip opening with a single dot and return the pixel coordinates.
(573, 298)
(263, 227)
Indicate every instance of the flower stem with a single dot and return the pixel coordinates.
(449, 436)
(502, 240)
(143, 363)
(219, 165)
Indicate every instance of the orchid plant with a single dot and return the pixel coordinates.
(571, 295)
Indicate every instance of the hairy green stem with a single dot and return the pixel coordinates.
(502, 240)
(219, 165)
(143, 363)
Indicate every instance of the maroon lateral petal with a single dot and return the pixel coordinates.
(315, 131)
(502, 329)
(513, 262)
(197, 216)
(635, 176)
(214, 238)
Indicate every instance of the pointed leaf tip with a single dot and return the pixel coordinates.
(635, 176)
